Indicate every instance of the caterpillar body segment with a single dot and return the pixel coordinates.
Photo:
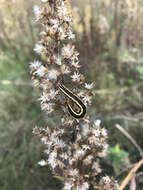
(75, 99)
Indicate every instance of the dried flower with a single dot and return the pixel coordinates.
(76, 77)
(67, 51)
(44, 1)
(42, 163)
(53, 74)
(37, 12)
(39, 49)
(89, 86)
(73, 146)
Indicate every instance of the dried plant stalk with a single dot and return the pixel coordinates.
(75, 146)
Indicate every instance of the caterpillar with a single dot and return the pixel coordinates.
(75, 99)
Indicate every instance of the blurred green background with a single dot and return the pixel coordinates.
(109, 36)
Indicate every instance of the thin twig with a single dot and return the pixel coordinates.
(130, 174)
(133, 182)
(125, 118)
(17, 83)
(113, 91)
(130, 138)
(139, 174)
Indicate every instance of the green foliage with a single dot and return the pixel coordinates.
(140, 71)
(130, 81)
(118, 157)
